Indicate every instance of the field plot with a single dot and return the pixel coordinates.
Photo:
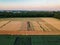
(30, 26)
(12, 26)
(53, 21)
(3, 23)
(30, 40)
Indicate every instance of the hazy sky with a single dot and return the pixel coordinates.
(30, 4)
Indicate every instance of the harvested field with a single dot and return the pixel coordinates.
(36, 26)
(24, 26)
(30, 26)
(12, 26)
(53, 21)
(3, 23)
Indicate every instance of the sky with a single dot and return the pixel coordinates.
(30, 5)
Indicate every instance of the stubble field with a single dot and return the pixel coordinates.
(30, 26)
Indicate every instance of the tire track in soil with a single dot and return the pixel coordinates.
(47, 28)
(29, 26)
(36, 26)
(32, 26)
(5, 24)
(41, 26)
(50, 26)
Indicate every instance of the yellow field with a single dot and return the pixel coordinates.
(30, 26)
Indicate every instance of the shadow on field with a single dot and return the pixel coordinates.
(23, 41)
(30, 40)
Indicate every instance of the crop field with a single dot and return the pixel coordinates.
(29, 40)
(30, 26)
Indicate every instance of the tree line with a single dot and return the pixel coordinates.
(6, 14)
(57, 14)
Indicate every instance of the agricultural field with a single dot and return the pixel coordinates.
(29, 40)
(30, 26)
